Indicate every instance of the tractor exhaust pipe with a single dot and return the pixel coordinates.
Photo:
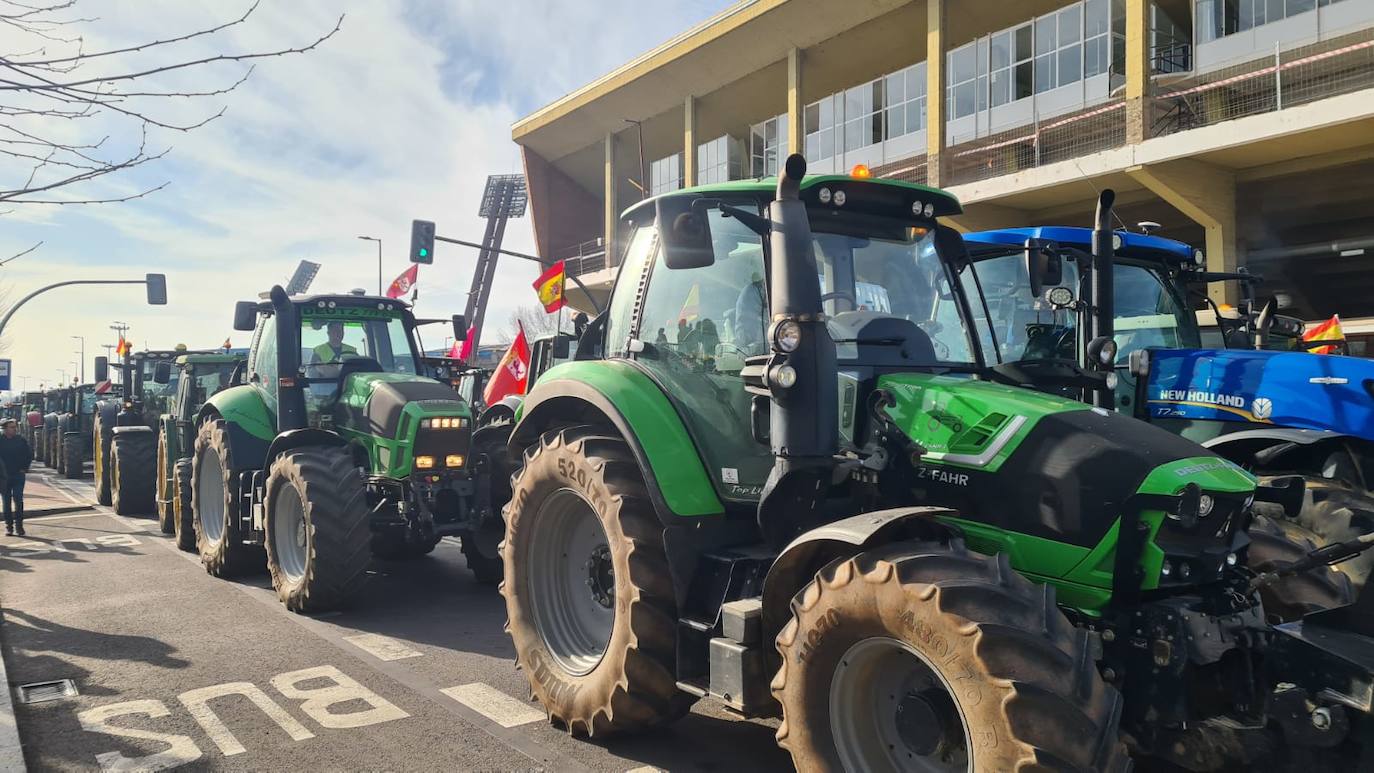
(801, 375)
(290, 392)
(1103, 292)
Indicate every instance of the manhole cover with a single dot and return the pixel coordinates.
(38, 692)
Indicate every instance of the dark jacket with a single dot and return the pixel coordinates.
(15, 454)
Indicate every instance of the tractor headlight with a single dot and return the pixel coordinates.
(424, 462)
(1205, 505)
(785, 376)
(1112, 380)
(453, 460)
(787, 336)
(1107, 355)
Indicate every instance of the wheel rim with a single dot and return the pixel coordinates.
(288, 532)
(891, 710)
(211, 485)
(572, 582)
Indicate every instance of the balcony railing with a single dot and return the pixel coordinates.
(1095, 129)
(584, 258)
(1285, 79)
(911, 170)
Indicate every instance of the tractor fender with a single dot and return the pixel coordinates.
(250, 425)
(798, 563)
(619, 396)
(1246, 445)
(297, 438)
(507, 408)
(131, 429)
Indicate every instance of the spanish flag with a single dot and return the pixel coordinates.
(123, 348)
(1329, 330)
(549, 286)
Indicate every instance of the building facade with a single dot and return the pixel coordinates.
(1245, 127)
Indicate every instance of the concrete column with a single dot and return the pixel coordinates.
(985, 217)
(689, 142)
(796, 104)
(1137, 70)
(611, 214)
(935, 91)
(1207, 195)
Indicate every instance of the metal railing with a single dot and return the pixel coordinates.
(1095, 129)
(1284, 79)
(910, 170)
(583, 258)
(1172, 58)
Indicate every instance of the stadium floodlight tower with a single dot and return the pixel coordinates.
(505, 197)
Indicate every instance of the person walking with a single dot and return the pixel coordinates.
(16, 456)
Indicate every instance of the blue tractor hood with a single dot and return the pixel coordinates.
(1130, 244)
(1283, 389)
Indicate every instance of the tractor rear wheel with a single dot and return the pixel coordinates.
(214, 502)
(165, 511)
(925, 656)
(486, 569)
(74, 455)
(588, 593)
(400, 545)
(318, 528)
(133, 456)
(59, 457)
(183, 516)
(1274, 542)
(100, 452)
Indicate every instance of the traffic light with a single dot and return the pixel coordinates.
(157, 289)
(421, 241)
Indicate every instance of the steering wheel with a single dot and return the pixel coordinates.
(350, 366)
(840, 294)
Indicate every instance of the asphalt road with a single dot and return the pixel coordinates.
(172, 667)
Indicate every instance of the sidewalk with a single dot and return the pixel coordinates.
(42, 499)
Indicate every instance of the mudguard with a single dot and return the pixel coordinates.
(251, 427)
(617, 393)
(297, 438)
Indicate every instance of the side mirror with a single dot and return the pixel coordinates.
(245, 315)
(1044, 265)
(460, 328)
(102, 369)
(562, 348)
(157, 289)
(162, 373)
(685, 230)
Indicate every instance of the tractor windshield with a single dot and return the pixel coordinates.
(211, 377)
(1017, 327)
(380, 340)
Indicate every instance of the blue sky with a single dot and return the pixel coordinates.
(402, 114)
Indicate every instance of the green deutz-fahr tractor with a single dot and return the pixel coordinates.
(334, 450)
(197, 378)
(782, 475)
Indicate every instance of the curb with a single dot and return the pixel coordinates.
(11, 750)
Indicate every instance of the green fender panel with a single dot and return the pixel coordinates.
(242, 405)
(644, 416)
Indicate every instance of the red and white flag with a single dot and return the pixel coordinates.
(403, 283)
(512, 374)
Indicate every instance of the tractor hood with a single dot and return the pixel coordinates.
(1285, 389)
(375, 403)
(1037, 464)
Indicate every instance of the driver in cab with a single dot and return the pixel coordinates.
(332, 351)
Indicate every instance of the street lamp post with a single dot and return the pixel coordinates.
(82, 354)
(379, 259)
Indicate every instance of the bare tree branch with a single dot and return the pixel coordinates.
(21, 254)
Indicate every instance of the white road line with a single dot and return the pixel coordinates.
(382, 647)
(645, 769)
(494, 704)
(44, 518)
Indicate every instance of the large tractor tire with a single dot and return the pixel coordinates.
(1274, 542)
(59, 457)
(183, 514)
(214, 481)
(100, 454)
(166, 513)
(73, 455)
(924, 656)
(133, 458)
(401, 545)
(487, 570)
(588, 593)
(318, 531)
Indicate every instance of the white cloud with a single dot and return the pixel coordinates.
(382, 124)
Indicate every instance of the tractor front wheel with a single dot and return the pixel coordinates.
(183, 515)
(924, 656)
(133, 458)
(588, 593)
(100, 452)
(73, 455)
(1273, 543)
(165, 510)
(214, 502)
(318, 531)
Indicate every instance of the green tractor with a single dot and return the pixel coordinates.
(49, 437)
(335, 449)
(198, 377)
(781, 475)
(74, 426)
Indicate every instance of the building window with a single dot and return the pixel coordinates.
(963, 80)
(1059, 48)
(863, 115)
(1011, 65)
(768, 146)
(1219, 18)
(665, 174)
(1097, 26)
(905, 91)
(719, 160)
